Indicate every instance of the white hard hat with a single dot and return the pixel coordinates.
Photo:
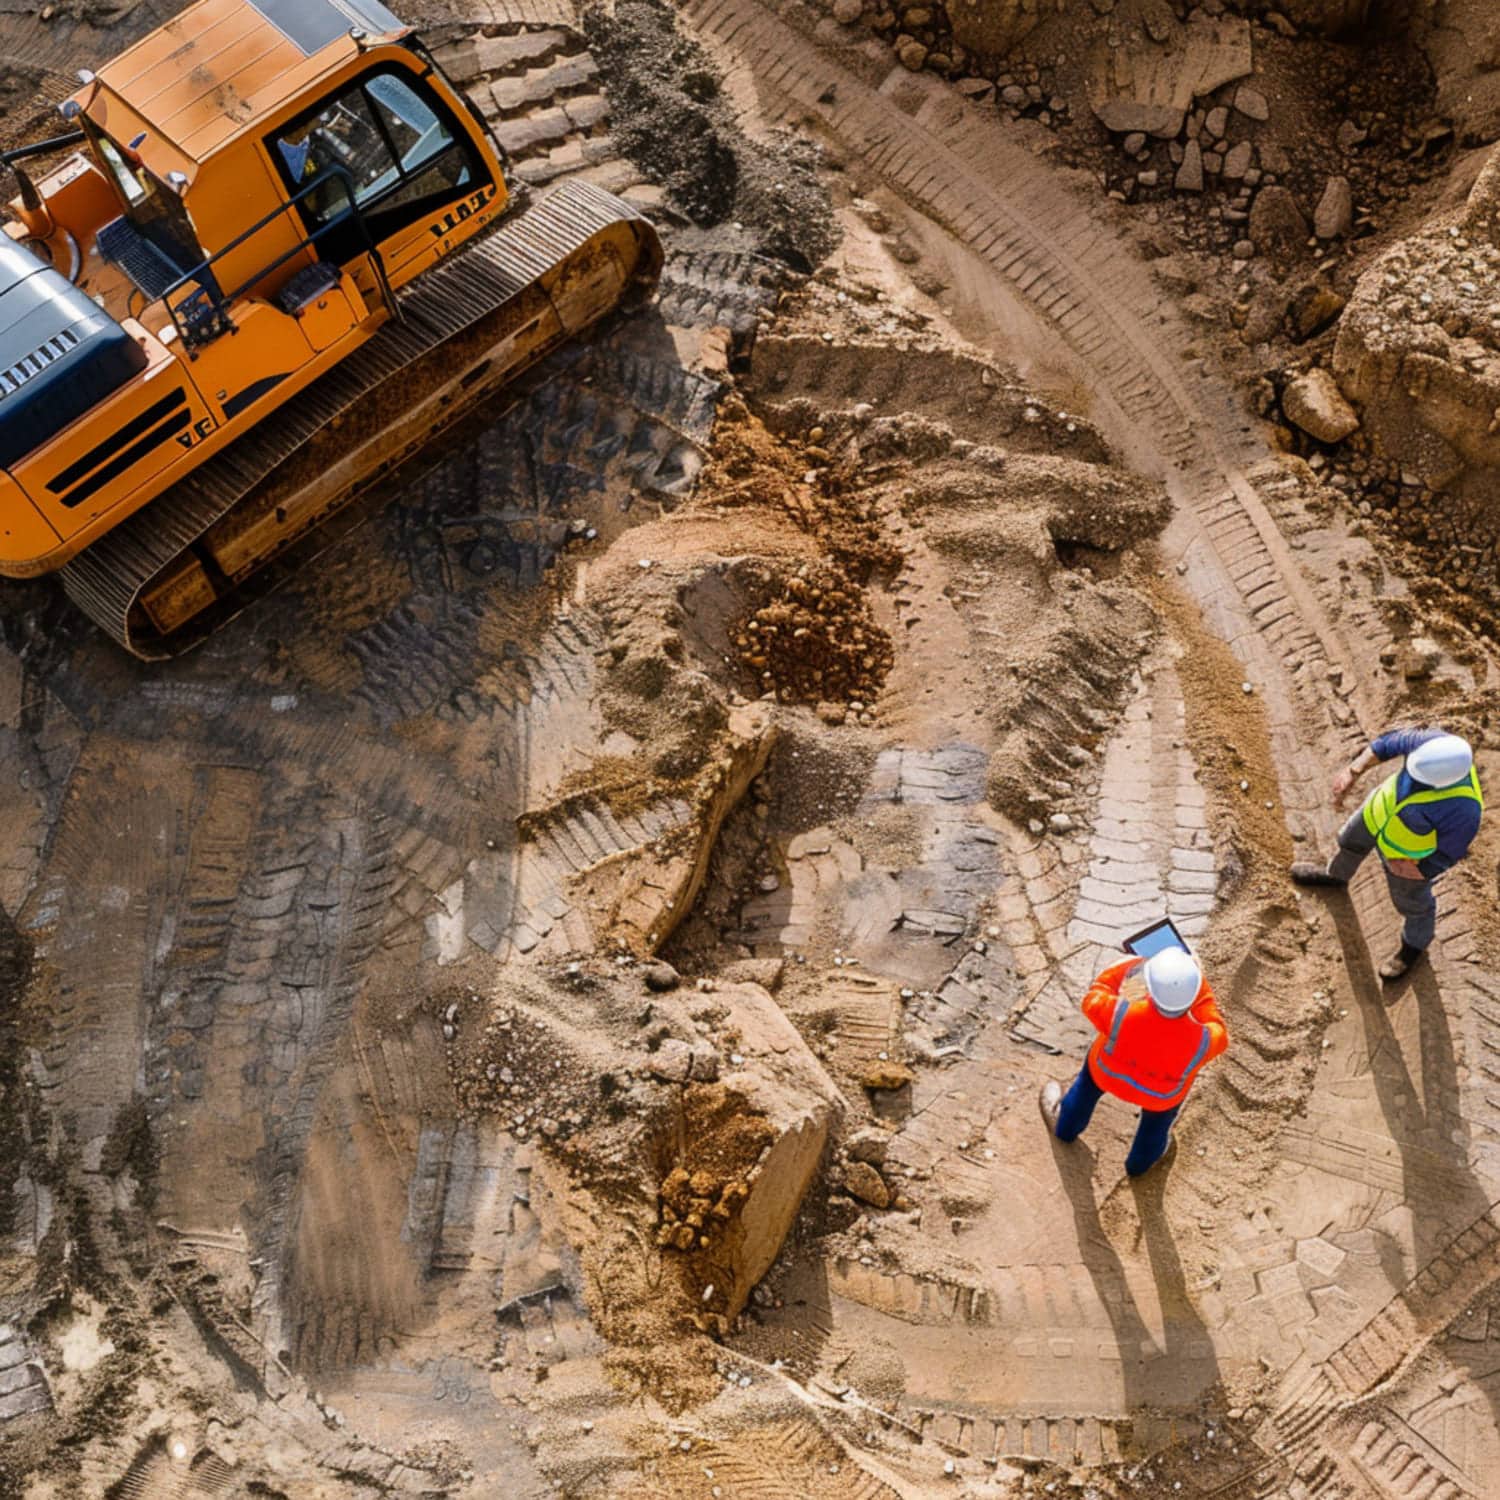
(1172, 980)
(1441, 762)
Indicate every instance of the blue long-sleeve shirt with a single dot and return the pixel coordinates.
(1455, 820)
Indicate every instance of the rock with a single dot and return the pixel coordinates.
(1060, 823)
(1134, 143)
(1216, 122)
(1251, 103)
(661, 977)
(1273, 158)
(1314, 307)
(833, 713)
(887, 1075)
(1237, 162)
(1420, 658)
(1128, 116)
(705, 1062)
(1149, 179)
(1244, 249)
(1335, 211)
(847, 12)
(1189, 177)
(917, 18)
(862, 1181)
(1014, 95)
(672, 1062)
(1351, 135)
(869, 1145)
(1276, 224)
(786, 1087)
(1314, 402)
(913, 55)
(977, 89)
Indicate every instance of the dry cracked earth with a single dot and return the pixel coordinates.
(551, 1002)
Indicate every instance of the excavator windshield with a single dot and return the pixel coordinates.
(398, 146)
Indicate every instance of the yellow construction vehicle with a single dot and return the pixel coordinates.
(242, 299)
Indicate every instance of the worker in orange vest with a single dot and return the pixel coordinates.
(1147, 1053)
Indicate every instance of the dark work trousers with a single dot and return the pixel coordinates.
(1412, 898)
(1151, 1135)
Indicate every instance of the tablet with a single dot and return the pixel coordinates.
(1153, 939)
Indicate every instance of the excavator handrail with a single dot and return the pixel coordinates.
(214, 322)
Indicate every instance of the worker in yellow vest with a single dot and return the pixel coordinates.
(1422, 820)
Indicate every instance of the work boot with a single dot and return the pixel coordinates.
(1400, 962)
(1049, 1101)
(1305, 872)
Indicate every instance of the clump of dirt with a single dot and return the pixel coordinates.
(669, 115)
(816, 641)
(756, 468)
(693, 1204)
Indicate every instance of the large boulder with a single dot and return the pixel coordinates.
(1418, 349)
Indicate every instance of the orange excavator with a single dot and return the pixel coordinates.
(278, 263)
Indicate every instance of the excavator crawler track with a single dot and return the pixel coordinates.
(177, 569)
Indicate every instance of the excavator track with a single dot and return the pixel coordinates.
(176, 570)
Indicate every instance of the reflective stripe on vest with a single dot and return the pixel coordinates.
(1383, 820)
(1122, 1009)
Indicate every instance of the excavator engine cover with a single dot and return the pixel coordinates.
(60, 354)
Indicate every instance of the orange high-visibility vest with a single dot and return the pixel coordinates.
(1148, 1059)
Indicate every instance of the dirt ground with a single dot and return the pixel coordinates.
(552, 1000)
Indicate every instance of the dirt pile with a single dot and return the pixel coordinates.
(1419, 344)
(692, 1123)
(669, 114)
(816, 642)
(1418, 355)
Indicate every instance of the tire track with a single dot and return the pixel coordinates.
(1302, 648)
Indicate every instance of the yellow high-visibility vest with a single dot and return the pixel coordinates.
(1383, 819)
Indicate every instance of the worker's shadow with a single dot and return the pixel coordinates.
(1423, 1111)
(1170, 1370)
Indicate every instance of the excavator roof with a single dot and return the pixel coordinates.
(205, 75)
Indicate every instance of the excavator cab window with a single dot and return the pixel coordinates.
(395, 140)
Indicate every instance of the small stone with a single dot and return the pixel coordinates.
(1420, 658)
(1135, 143)
(913, 55)
(1237, 162)
(1244, 249)
(672, 1062)
(1314, 402)
(1252, 103)
(1335, 211)
(887, 1076)
(1216, 122)
(862, 1181)
(1350, 135)
(1189, 177)
(847, 12)
(1060, 823)
(833, 713)
(660, 976)
(868, 1144)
